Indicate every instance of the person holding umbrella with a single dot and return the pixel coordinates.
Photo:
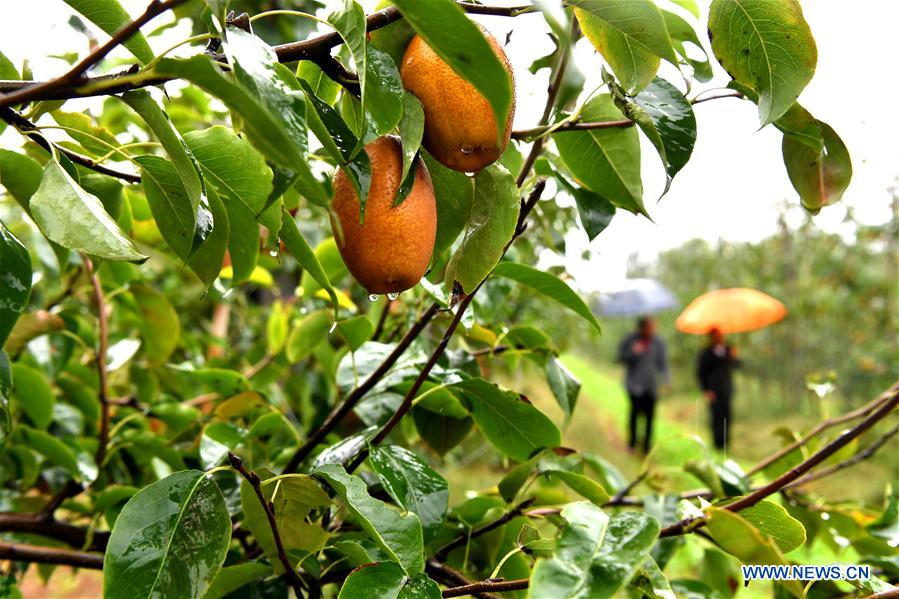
(715, 313)
(714, 369)
(644, 357)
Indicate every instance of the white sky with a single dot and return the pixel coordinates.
(735, 182)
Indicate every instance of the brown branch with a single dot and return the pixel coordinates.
(817, 430)
(74, 76)
(860, 456)
(102, 373)
(70, 489)
(890, 594)
(251, 477)
(452, 578)
(699, 100)
(69, 534)
(50, 555)
(28, 129)
(347, 405)
(524, 134)
(892, 400)
(316, 49)
(463, 539)
(620, 495)
(498, 586)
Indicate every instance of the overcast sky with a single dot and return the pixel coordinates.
(735, 182)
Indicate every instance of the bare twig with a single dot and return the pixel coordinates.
(53, 529)
(251, 477)
(861, 456)
(732, 94)
(575, 126)
(346, 406)
(453, 578)
(50, 555)
(462, 539)
(797, 471)
(70, 489)
(74, 76)
(620, 495)
(890, 594)
(28, 129)
(102, 373)
(497, 586)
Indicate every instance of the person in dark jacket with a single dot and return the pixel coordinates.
(644, 357)
(715, 373)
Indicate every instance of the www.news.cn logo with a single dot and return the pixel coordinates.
(829, 572)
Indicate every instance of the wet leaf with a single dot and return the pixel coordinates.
(387, 580)
(767, 46)
(306, 334)
(76, 220)
(15, 281)
(631, 36)
(296, 244)
(400, 536)
(109, 16)
(773, 521)
(671, 124)
(490, 226)
(414, 485)
(411, 130)
(232, 578)
(454, 193)
(170, 539)
(820, 178)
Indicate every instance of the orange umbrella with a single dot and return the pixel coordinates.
(731, 311)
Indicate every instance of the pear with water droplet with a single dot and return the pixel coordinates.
(389, 251)
(460, 125)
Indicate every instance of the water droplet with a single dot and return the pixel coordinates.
(373, 297)
(466, 150)
(273, 253)
(469, 174)
(392, 296)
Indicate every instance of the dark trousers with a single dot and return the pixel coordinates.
(642, 404)
(720, 412)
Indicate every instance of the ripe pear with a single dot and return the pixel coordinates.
(460, 125)
(389, 251)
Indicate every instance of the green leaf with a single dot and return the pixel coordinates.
(773, 521)
(232, 578)
(387, 580)
(491, 226)
(33, 395)
(190, 184)
(441, 432)
(8, 70)
(400, 536)
(460, 43)
(322, 86)
(294, 498)
(297, 246)
(798, 124)
(207, 261)
(411, 129)
(244, 181)
(277, 133)
(15, 284)
(382, 90)
(76, 220)
(511, 424)
(820, 178)
(595, 211)
(549, 286)
(454, 194)
(631, 36)
(356, 330)
(170, 539)
(563, 384)
(276, 328)
(305, 336)
(76, 461)
(20, 175)
(109, 16)
(605, 161)
(159, 324)
(671, 125)
(681, 33)
(413, 485)
(84, 130)
(767, 46)
(595, 555)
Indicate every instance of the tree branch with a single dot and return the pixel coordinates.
(53, 529)
(50, 555)
(890, 403)
(251, 477)
(498, 586)
(463, 539)
(102, 350)
(316, 49)
(452, 577)
(74, 76)
(525, 134)
(28, 129)
(347, 405)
